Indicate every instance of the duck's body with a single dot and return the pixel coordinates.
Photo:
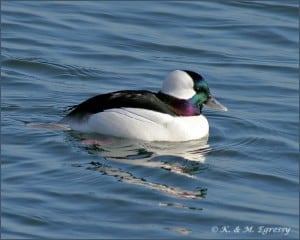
(173, 114)
(127, 114)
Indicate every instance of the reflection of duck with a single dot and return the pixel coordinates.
(117, 154)
(185, 158)
(124, 149)
(131, 179)
(173, 114)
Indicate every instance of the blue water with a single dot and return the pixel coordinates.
(243, 184)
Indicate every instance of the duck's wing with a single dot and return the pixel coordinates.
(121, 99)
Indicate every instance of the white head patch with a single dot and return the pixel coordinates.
(179, 84)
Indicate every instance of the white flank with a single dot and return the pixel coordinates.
(143, 124)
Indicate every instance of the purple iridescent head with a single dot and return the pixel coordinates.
(191, 91)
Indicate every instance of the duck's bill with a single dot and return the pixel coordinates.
(215, 104)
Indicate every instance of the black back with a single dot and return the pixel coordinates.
(130, 98)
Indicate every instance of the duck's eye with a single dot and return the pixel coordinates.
(198, 89)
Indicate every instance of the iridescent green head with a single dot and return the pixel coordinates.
(191, 87)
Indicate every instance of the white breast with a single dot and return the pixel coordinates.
(144, 124)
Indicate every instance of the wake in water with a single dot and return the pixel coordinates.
(51, 126)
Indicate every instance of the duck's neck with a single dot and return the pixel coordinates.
(181, 107)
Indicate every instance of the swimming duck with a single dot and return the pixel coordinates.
(172, 114)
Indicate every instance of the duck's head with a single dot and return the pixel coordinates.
(193, 89)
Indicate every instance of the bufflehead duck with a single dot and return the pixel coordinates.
(172, 114)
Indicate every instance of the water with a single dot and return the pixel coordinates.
(56, 184)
